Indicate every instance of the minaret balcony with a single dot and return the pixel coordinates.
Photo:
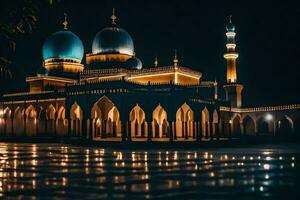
(231, 55)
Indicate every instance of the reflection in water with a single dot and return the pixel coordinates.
(61, 171)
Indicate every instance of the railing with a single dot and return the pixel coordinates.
(28, 93)
(261, 109)
(96, 72)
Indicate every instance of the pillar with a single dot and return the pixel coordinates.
(149, 130)
(194, 129)
(186, 130)
(129, 131)
(171, 131)
(123, 128)
(206, 129)
(199, 135)
(211, 130)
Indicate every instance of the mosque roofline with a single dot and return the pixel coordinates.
(88, 73)
(50, 78)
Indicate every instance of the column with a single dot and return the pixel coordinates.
(123, 127)
(149, 130)
(211, 130)
(129, 131)
(171, 131)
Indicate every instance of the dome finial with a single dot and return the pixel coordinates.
(230, 19)
(175, 60)
(65, 23)
(113, 17)
(155, 61)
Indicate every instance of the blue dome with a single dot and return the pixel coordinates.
(134, 63)
(63, 44)
(230, 27)
(113, 40)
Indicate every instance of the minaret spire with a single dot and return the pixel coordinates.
(175, 60)
(113, 17)
(155, 61)
(65, 23)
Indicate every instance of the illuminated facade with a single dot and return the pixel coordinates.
(113, 98)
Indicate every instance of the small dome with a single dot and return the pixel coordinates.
(63, 44)
(134, 63)
(42, 72)
(230, 27)
(113, 40)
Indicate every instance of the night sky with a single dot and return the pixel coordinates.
(267, 39)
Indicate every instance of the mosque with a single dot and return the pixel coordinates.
(114, 98)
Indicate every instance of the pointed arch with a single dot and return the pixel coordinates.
(76, 119)
(18, 121)
(113, 123)
(262, 126)
(160, 118)
(105, 119)
(96, 117)
(137, 120)
(6, 126)
(205, 122)
(105, 105)
(31, 120)
(50, 115)
(184, 121)
(248, 125)
(236, 126)
(7, 113)
(50, 112)
(215, 121)
(61, 121)
(285, 126)
(42, 121)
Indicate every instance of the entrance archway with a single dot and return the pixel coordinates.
(105, 119)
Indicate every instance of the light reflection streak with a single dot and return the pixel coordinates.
(113, 170)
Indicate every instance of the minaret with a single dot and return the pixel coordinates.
(232, 88)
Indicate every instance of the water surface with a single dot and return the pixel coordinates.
(41, 171)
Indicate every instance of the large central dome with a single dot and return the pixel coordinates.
(63, 44)
(113, 40)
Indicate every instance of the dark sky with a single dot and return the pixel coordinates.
(267, 39)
